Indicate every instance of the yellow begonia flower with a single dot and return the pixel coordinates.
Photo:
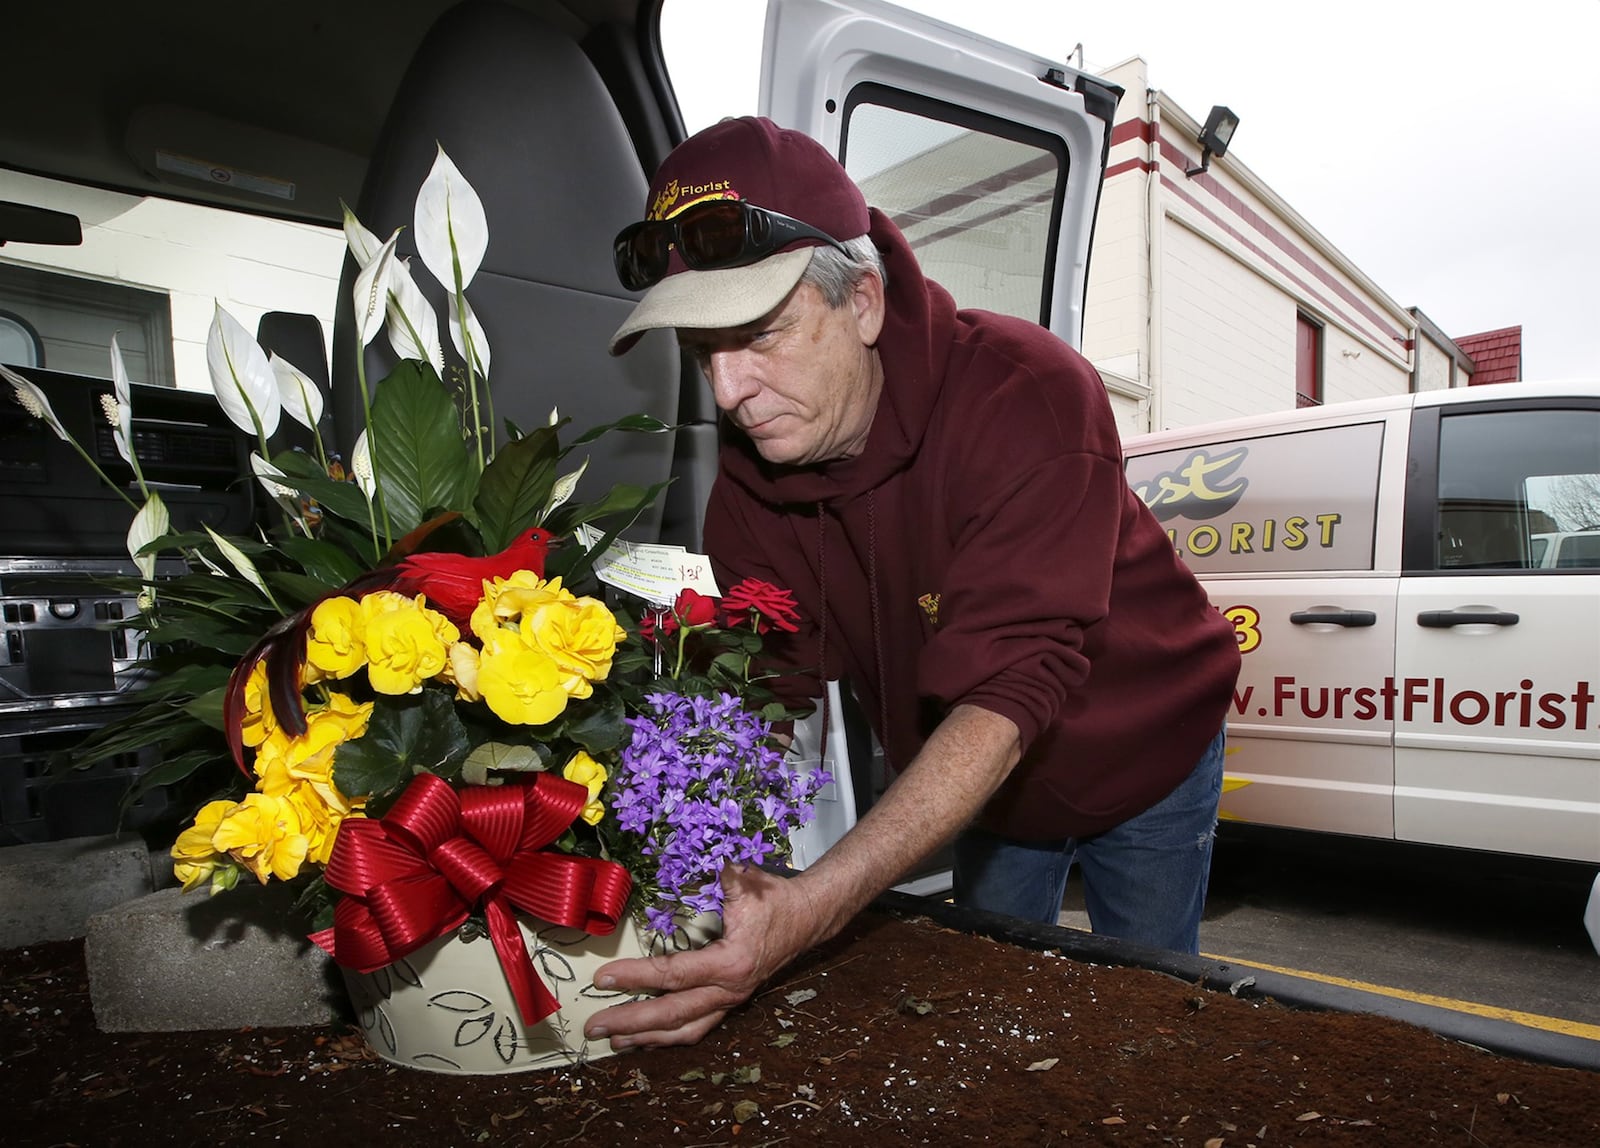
(319, 821)
(265, 835)
(507, 599)
(586, 771)
(282, 763)
(406, 642)
(194, 855)
(581, 637)
(258, 721)
(461, 671)
(336, 645)
(520, 684)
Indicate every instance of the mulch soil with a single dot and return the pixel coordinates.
(896, 1032)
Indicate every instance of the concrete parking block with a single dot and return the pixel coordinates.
(180, 962)
(49, 890)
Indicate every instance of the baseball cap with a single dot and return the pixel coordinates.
(754, 160)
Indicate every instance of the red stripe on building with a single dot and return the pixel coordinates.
(1278, 239)
(1132, 130)
(1129, 165)
(1182, 193)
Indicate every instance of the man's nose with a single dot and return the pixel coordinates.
(732, 382)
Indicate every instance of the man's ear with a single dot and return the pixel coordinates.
(868, 302)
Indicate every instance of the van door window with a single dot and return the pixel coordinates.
(1519, 490)
(977, 197)
(1300, 501)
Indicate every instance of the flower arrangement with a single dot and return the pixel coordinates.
(427, 708)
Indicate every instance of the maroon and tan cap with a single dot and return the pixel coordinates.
(751, 159)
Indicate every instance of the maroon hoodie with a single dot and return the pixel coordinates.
(1012, 567)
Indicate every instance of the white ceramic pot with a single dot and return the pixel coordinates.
(447, 1007)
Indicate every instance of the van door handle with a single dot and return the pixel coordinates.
(1443, 619)
(1353, 618)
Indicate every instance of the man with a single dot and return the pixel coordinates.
(943, 492)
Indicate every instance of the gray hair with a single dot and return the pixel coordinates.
(835, 273)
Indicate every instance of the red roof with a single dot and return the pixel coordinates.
(1497, 355)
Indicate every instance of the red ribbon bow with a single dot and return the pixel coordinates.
(416, 874)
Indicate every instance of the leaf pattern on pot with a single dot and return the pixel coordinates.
(556, 968)
(386, 1032)
(507, 1040)
(427, 1058)
(460, 1000)
(473, 1029)
(405, 972)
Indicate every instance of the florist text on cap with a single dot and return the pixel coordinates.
(943, 492)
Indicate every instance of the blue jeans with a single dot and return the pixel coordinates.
(1144, 880)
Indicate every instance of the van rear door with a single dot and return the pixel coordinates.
(989, 159)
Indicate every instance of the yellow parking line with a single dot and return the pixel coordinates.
(1528, 1019)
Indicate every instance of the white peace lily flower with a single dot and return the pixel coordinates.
(286, 497)
(301, 398)
(150, 523)
(361, 467)
(451, 227)
(267, 474)
(371, 292)
(364, 245)
(33, 401)
(241, 376)
(563, 488)
(555, 415)
(123, 422)
(480, 340)
(413, 327)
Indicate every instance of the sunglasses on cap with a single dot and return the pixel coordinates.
(708, 236)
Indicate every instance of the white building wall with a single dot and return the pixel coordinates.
(199, 256)
(1433, 367)
(1227, 335)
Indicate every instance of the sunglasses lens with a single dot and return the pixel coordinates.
(640, 254)
(713, 235)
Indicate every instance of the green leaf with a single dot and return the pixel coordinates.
(634, 424)
(624, 498)
(515, 487)
(497, 755)
(342, 499)
(405, 735)
(321, 560)
(597, 723)
(207, 708)
(170, 771)
(419, 456)
(298, 589)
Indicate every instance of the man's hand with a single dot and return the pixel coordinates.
(767, 922)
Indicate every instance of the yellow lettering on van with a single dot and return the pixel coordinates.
(1204, 540)
(1239, 538)
(1294, 533)
(1327, 522)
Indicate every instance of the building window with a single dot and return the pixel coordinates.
(19, 342)
(1307, 362)
(71, 321)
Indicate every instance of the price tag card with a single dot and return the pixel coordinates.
(653, 572)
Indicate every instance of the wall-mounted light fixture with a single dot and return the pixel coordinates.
(1214, 137)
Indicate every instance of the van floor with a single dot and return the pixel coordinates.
(914, 1034)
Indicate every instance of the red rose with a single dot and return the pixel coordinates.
(695, 610)
(765, 603)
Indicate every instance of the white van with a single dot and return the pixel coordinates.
(1418, 665)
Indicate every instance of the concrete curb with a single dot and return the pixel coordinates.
(49, 890)
(177, 962)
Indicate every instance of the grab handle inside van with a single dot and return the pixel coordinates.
(1442, 619)
(1334, 617)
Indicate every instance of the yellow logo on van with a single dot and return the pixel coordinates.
(1203, 487)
